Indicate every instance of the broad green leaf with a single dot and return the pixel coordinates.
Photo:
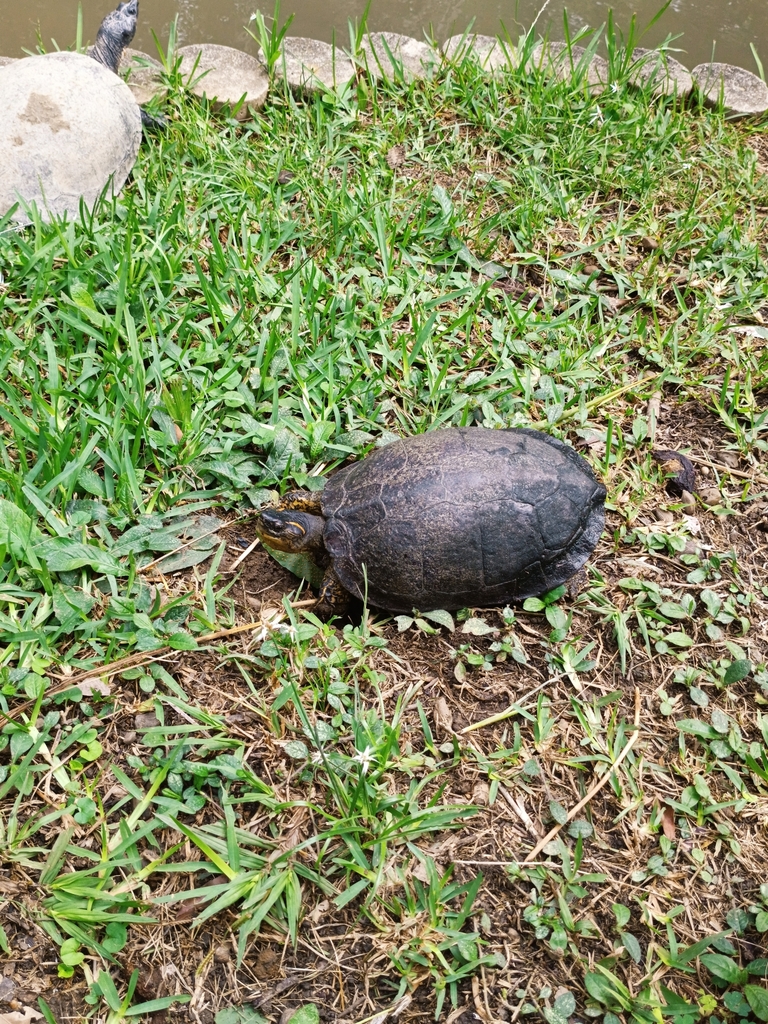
(477, 627)
(18, 534)
(61, 554)
(757, 997)
(632, 946)
(737, 671)
(621, 913)
(296, 749)
(307, 1014)
(724, 967)
(300, 565)
(697, 728)
(553, 1016)
(565, 1004)
(442, 618)
(558, 812)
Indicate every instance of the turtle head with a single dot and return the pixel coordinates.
(288, 530)
(115, 33)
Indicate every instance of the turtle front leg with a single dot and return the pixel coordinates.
(333, 599)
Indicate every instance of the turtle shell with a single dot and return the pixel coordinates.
(462, 517)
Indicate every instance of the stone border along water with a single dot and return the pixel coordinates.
(230, 77)
(227, 76)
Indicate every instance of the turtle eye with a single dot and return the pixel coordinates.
(279, 526)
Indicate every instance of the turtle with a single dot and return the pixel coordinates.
(115, 33)
(452, 518)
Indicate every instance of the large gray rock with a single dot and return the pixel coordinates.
(141, 73)
(385, 53)
(566, 63)
(667, 76)
(69, 130)
(741, 92)
(309, 65)
(489, 52)
(225, 75)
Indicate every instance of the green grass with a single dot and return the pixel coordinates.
(214, 336)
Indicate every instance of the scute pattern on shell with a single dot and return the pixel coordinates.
(462, 517)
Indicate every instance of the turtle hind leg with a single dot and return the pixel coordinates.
(333, 598)
(302, 501)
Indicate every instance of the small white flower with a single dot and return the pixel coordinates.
(364, 758)
(317, 757)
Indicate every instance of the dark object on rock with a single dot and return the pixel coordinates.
(682, 475)
(448, 519)
(115, 33)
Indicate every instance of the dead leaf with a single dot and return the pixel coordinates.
(481, 793)
(14, 1017)
(653, 413)
(94, 685)
(443, 718)
(396, 156)
(187, 909)
(668, 821)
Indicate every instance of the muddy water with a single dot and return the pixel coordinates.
(725, 28)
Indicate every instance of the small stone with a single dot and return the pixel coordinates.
(309, 65)
(223, 953)
(490, 53)
(740, 92)
(141, 73)
(225, 76)
(668, 76)
(710, 496)
(385, 53)
(7, 987)
(147, 721)
(663, 515)
(648, 244)
(729, 459)
(691, 548)
(689, 503)
(567, 63)
(128, 736)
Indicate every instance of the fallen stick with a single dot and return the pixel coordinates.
(594, 790)
(754, 478)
